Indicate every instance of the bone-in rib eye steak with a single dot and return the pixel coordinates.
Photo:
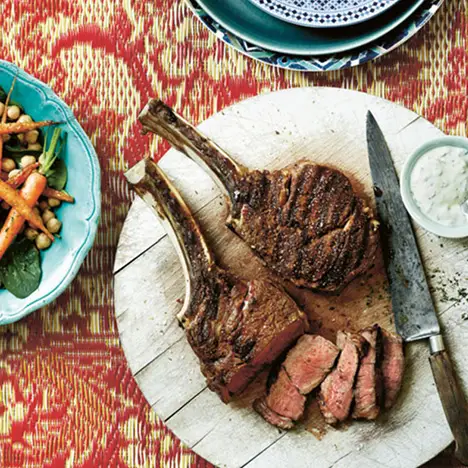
(235, 327)
(305, 221)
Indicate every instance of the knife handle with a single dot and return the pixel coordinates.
(453, 400)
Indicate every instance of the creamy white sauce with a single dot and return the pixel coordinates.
(439, 183)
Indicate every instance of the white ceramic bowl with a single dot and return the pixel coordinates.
(453, 232)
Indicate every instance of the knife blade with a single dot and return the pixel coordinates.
(415, 315)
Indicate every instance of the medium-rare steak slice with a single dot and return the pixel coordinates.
(261, 407)
(304, 368)
(310, 361)
(284, 398)
(305, 221)
(393, 366)
(336, 392)
(235, 327)
(368, 391)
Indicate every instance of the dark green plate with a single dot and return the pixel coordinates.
(254, 25)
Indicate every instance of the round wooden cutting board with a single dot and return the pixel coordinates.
(327, 126)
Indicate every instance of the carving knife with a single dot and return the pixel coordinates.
(415, 315)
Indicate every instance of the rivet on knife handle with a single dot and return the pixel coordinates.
(452, 397)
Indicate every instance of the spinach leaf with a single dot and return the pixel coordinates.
(20, 269)
(57, 175)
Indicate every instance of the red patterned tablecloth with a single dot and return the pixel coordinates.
(67, 397)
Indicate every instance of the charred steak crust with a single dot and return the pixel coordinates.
(237, 328)
(369, 383)
(307, 224)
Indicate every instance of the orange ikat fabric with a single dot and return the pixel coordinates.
(67, 396)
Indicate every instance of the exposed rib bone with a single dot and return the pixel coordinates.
(235, 327)
(158, 118)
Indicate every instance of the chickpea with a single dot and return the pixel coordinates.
(47, 216)
(43, 242)
(13, 173)
(28, 160)
(25, 118)
(8, 165)
(54, 203)
(13, 112)
(20, 137)
(34, 147)
(54, 225)
(31, 234)
(43, 205)
(31, 136)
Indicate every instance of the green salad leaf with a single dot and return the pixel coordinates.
(57, 175)
(20, 269)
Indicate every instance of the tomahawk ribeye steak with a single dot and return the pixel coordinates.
(236, 327)
(305, 221)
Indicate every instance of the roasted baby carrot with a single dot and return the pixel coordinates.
(12, 197)
(24, 127)
(30, 193)
(22, 175)
(58, 194)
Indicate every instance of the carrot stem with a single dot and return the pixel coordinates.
(30, 193)
(12, 197)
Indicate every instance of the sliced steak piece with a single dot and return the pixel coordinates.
(393, 366)
(284, 398)
(368, 391)
(235, 327)
(261, 407)
(310, 361)
(305, 221)
(304, 368)
(336, 392)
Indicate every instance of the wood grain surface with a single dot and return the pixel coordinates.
(325, 125)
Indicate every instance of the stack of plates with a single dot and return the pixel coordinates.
(314, 35)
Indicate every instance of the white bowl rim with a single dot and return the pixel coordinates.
(451, 232)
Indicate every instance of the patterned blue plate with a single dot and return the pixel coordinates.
(251, 24)
(320, 63)
(325, 13)
(61, 262)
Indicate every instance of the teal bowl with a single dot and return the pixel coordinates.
(61, 262)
